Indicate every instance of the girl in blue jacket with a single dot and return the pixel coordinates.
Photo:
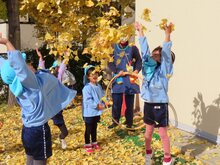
(40, 95)
(92, 107)
(157, 68)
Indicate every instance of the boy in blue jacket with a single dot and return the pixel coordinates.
(40, 95)
(157, 69)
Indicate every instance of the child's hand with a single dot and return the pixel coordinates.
(100, 106)
(169, 28)
(108, 103)
(121, 73)
(168, 31)
(39, 54)
(138, 26)
(3, 40)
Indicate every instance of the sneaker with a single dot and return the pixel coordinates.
(63, 144)
(88, 148)
(96, 146)
(130, 128)
(148, 160)
(171, 162)
(112, 126)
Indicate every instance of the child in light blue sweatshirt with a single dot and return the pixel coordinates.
(92, 107)
(157, 68)
(58, 119)
(40, 95)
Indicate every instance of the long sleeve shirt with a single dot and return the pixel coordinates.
(92, 95)
(43, 95)
(61, 69)
(154, 90)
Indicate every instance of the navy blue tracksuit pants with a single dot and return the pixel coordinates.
(117, 104)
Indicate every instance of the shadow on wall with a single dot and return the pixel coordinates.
(205, 119)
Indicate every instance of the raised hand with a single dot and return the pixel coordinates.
(3, 40)
(169, 28)
(139, 28)
(39, 54)
(6, 42)
(168, 31)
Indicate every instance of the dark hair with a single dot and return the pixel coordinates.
(159, 48)
(33, 60)
(89, 71)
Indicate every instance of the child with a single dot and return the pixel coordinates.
(40, 95)
(92, 107)
(58, 118)
(157, 69)
(124, 55)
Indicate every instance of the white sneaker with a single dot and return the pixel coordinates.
(148, 159)
(63, 144)
(169, 163)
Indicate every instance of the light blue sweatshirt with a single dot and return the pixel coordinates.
(154, 90)
(92, 95)
(43, 95)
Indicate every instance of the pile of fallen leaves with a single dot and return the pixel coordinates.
(119, 146)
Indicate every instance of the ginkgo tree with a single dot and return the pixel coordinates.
(63, 23)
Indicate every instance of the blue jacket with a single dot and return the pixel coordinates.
(43, 95)
(155, 90)
(92, 95)
(121, 58)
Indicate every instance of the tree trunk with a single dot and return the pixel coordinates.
(13, 34)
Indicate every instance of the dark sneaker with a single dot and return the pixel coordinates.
(112, 126)
(130, 128)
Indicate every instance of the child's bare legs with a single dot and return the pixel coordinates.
(31, 161)
(166, 142)
(148, 138)
(40, 162)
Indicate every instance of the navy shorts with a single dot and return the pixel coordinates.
(94, 119)
(37, 141)
(58, 119)
(156, 114)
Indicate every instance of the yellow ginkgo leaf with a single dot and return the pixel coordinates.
(99, 78)
(85, 51)
(129, 68)
(146, 15)
(40, 6)
(48, 36)
(89, 3)
(76, 58)
(163, 23)
(118, 61)
(122, 54)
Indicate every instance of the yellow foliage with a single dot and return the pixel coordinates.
(163, 24)
(40, 6)
(146, 15)
(89, 3)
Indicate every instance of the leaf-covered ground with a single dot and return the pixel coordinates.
(118, 145)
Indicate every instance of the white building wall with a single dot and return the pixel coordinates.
(28, 36)
(194, 88)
